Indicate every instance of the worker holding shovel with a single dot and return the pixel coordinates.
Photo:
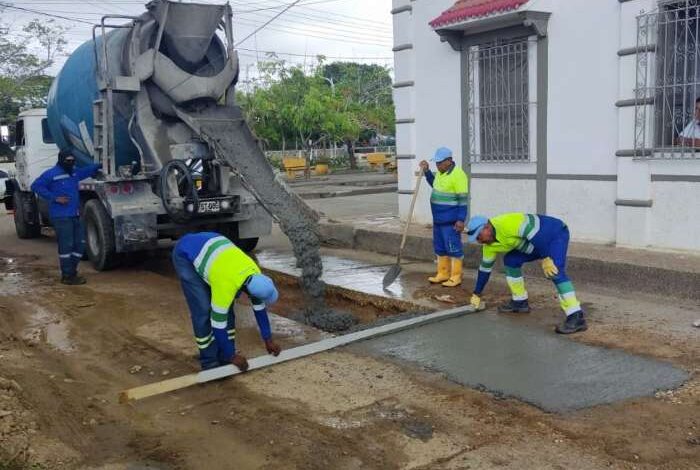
(448, 203)
(524, 238)
(214, 272)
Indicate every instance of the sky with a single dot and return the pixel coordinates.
(358, 30)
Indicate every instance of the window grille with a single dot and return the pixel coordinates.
(667, 125)
(498, 103)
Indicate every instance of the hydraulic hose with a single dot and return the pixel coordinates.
(191, 196)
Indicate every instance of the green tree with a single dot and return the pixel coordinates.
(24, 61)
(288, 105)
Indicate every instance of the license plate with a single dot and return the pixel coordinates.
(207, 207)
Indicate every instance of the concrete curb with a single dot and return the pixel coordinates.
(352, 192)
(620, 275)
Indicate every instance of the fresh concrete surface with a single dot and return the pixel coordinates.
(552, 372)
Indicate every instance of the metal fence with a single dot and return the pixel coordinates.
(498, 103)
(667, 93)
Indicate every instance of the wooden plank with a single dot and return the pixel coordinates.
(260, 362)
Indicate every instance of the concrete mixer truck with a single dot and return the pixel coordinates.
(138, 99)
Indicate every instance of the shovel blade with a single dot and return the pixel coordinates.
(391, 275)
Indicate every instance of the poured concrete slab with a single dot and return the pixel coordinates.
(537, 366)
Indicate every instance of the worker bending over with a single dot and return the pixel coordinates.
(448, 203)
(524, 238)
(213, 273)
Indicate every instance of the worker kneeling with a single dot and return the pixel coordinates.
(213, 273)
(524, 238)
(448, 203)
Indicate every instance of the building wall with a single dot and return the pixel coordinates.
(433, 101)
(603, 195)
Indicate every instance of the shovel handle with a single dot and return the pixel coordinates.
(410, 215)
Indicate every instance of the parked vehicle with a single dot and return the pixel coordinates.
(119, 101)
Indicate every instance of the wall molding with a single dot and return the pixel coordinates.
(634, 153)
(563, 177)
(548, 177)
(401, 9)
(676, 178)
(636, 50)
(505, 176)
(634, 102)
(634, 202)
(402, 47)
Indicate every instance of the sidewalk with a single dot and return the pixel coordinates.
(653, 272)
(341, 185)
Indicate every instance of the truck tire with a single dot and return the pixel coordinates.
(26, 223)
(99, 239)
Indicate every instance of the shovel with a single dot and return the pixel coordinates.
(395, 270)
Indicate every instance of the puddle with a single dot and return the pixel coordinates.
(13, 283)
(45, 327)
(340, 272)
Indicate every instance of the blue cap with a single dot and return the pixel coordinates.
(475, 225)
(262, 288)
(442, 154)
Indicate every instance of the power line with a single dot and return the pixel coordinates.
(267, 23)
(37, 12)
(316, 55)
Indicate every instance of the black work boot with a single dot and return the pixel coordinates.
(573, 323)
(74, 280)
(515, 306)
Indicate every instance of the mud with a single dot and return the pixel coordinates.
(230, 137)
(337, 410)
(493, 353)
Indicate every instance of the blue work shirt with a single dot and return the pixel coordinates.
(56, 182)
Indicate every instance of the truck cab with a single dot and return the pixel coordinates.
(35, 153)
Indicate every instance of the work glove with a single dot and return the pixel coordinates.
(475, 301)
(272, 347)
(549, 268)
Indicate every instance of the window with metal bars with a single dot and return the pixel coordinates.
(667, 111)
(499, 104)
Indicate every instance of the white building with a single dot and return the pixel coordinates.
(573, 108)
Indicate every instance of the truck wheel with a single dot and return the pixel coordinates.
(99, 228)
(26, 222)
(247, 244)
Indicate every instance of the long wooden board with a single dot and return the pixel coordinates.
(178, 383)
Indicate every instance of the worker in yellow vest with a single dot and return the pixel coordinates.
(524, 238)
(214, 272)
(448, 204)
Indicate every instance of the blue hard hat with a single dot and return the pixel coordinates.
(262, 288)
(442, 154)
(475, 225)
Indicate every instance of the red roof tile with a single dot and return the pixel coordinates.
(465, 9)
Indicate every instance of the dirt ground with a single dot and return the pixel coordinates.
(66, 353)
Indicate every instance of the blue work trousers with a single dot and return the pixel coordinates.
(447, 241)
(71, 243)
(557, 247)
(198, 296)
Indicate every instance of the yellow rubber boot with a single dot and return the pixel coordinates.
(456, 277)
(443, 270)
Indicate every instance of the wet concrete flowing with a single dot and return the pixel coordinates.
(226, 131)
(497, 354)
